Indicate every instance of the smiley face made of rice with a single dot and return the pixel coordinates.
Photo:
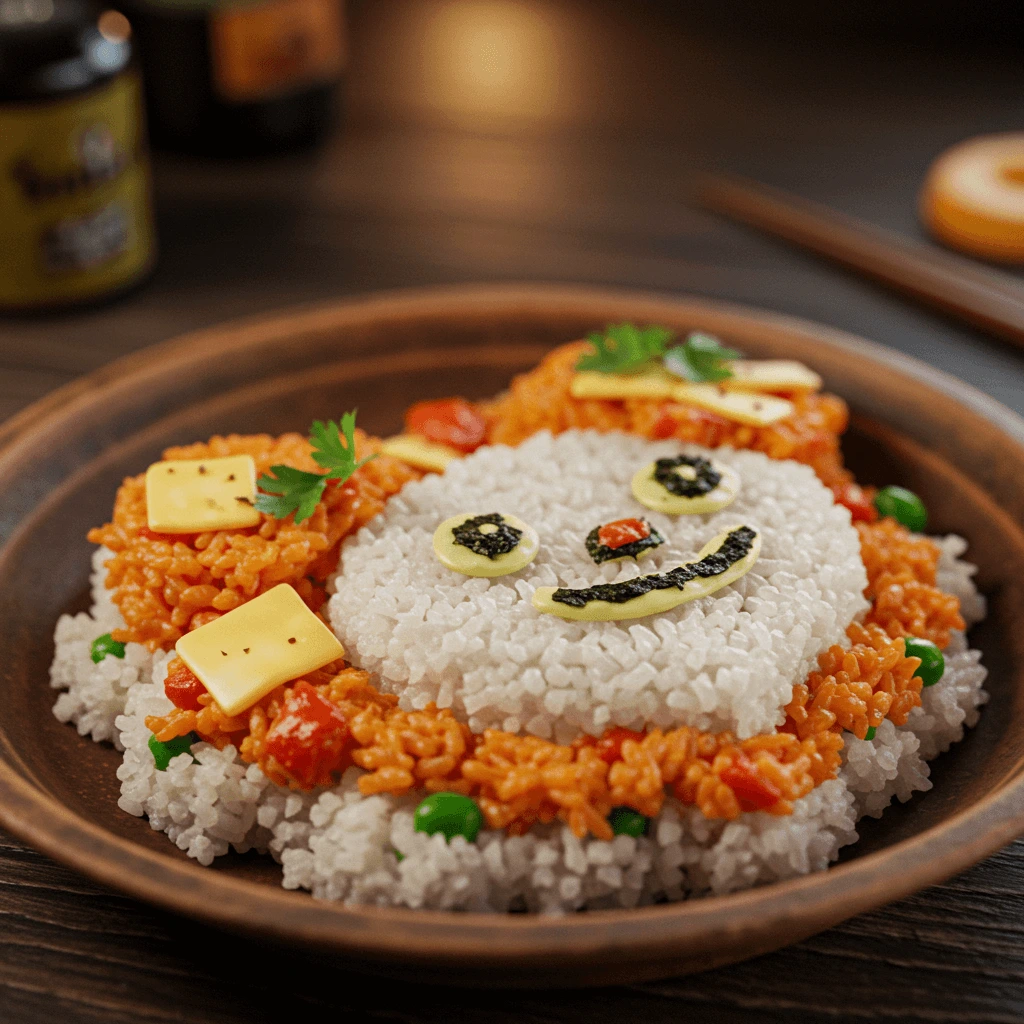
(727, 661)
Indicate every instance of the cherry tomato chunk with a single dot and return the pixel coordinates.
(183, 688)
(309, 737)
(623, 532)
(451, 421)
(855, 498)
(753, 792)
(609, 746)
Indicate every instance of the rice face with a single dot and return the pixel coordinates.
(728, 661)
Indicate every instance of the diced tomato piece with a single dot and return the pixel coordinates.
(609, 746)
(753, 792)
(451, 421)
(854, 497)
(664, 426)
(183, 687)
(623, 532)
(309, 737)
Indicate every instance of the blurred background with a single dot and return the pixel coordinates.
(300, 150)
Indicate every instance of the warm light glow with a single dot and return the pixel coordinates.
(114, 26)
(490, 59)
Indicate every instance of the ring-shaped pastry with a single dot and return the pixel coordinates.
(973, 197)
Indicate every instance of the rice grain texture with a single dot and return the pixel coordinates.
(478, 646)
(340, 845)
(94, 694)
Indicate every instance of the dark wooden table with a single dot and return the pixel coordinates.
(552, 141)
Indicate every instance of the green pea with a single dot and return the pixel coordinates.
(933, 664)
(451, 814)
(904, 506)
(104, 645)
(870, 734)
(163, 752)
(627, 822)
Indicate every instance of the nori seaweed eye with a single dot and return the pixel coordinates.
(500, 540)
(487, 545)
(685, 485)
(705, 477)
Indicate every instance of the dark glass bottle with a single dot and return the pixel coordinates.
(240, 77)
(76, 219)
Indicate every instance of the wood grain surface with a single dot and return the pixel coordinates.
(434, 181)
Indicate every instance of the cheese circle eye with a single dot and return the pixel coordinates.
(685, 485)
(485, 545)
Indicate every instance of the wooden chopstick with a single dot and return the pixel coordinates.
(982, 297)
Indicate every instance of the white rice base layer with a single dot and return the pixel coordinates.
(342, 846)
(727, 661)
(95, 694)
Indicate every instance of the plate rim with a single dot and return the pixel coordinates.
(802, 905)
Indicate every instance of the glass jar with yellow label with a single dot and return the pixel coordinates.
(76, 221)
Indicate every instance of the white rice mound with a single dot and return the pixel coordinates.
(727, 661)
(95, 694)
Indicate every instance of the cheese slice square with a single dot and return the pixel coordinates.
(771, 375)
(651, 382)
(755, 410)
(195, 495)
(270, 640)
(419, 452)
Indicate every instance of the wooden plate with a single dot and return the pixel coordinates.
(62, 459)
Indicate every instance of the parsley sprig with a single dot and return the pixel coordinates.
(624, 347)
(702, 358)
(294, 490)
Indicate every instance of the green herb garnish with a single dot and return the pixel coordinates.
(624, 347)
(701, 359)
(294, 490)
(105, 646)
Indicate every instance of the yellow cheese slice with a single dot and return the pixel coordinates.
(736, 399)
(743, 407)
(195, 495)
(419, 452)
(270, 640)
(654, 601)
(651, 382)
(771, 375)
